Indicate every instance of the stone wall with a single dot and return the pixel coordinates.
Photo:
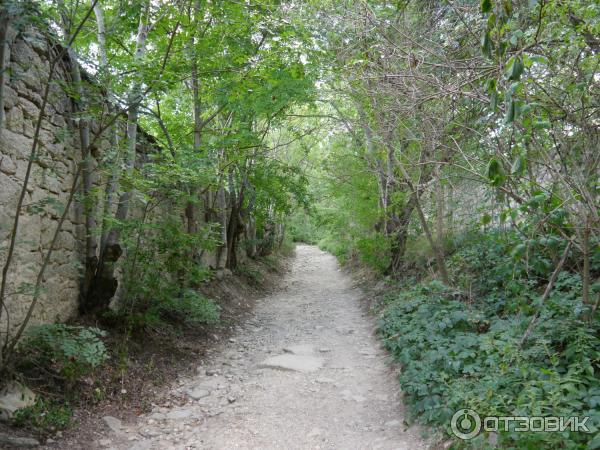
(49, 186)
(54, 169)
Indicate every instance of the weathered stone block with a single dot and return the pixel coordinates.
(15, 144)
(30, 110)
(9, 192)
(10, 97)
(7, 165)
(14, 119)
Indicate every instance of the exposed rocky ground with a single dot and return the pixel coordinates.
(305, 371)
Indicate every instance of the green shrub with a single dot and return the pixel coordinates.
(191, 308)
(374, 251)
(339, 248)
(70, 351)
(302, 227)
(44, 416)
(454, 355)
(166, 312)
(161, 270)
(250, 272)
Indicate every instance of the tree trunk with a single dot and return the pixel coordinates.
(437, 250)
(222, 216)
(440, 207)
(191, 207)
(112, 181)
(232, 226)
(105, 284)
(399, 237)
(91, 260)
(4, 61)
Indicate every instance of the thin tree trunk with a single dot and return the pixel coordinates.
(222, 214)
(438, 252)
(450, 209)
(191, 207)
(585, 276)
(547, 292)
(233, 227)
(104, 284)
(83, 125)
(4, 62)
(112, 181)
(400, 235)
(440, 207)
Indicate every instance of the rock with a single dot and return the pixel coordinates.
(324, 350)
(7, 165)
(314, 432)
(300, 349)
(151, 433)
(19, 442)
(179, 414)
(325, 380)
(231, 399)
(223, 273)
(296, 363)
(113, 423)
(197, 393)
(14, 396)
(347, 395)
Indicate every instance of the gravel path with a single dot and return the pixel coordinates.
(305, 372)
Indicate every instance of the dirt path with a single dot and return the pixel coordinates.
(304, 373)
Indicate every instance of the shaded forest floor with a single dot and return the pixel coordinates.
(144, 365)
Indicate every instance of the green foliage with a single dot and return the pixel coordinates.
(462, 350)
(45, 416)
(250, 272)
(302, 227)
(191, 308)
(374, 251)
(160, 271)
(69, 351)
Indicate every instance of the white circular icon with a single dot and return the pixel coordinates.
(465, 424)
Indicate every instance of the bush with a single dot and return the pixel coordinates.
(191, 308)
(161, 269)
(302, 227)
(251, 273)
(166, 312)
(44, 416)
(456, 354)
(69, 351)
(374, 251)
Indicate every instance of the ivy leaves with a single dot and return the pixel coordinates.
(495, 173)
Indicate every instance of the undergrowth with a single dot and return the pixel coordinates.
(463, 348)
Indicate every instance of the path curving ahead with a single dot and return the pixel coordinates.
(305, 372)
